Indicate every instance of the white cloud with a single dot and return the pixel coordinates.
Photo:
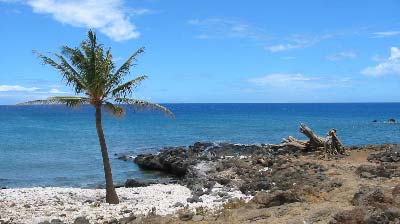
(297, 42)
(108, 16)
(298, 80)
(390, 66)
(55, 91)
(31, 90)
(341, 56)
(386, 34)
(283, 47)
(17, 88)
(220, 28)
(51, 91)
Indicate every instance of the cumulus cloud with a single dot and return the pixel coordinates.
(386, 34)
(341, 56)
(108, 16)
(298, 80)
(17, 88)
(390, 66)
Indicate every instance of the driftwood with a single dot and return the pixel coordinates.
(330, 144)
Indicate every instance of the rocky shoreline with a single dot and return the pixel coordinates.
(276, 176)
(231, 183)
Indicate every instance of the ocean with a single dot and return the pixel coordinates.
(58, 146)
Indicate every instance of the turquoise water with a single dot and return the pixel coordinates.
(58, 146)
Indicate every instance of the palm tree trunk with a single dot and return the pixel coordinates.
(111, 195)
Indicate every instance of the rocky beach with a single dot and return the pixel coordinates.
(231, 183)
(199, 112)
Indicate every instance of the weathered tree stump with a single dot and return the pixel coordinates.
(330, 144)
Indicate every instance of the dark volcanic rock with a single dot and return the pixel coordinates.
(390, 155)
(354, 216)
(56, 221)
(198, 147)
(383, 170)
(396, 191)
(137, 183)
(194, 199)
(185, 215)
(372, 207)
(396, 194)
(391, 120)
(377, 219)
(178, 204)
(124, 157)
(53, 221)
(301, 176)
(81, 220)
(277, 198)
(250, 187)
(173, 160)
(177, 160)
(249, 168)
(370, 196)
(392, 213)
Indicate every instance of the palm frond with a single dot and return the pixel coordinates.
(128, 87)
(68, 72)
(76, 79)
(71, 101)
(76, 56)
(124, 69)
(141, 104)
(115, 110)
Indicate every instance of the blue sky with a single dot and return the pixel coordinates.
(214, 51)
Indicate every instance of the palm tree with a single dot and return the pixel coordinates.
(91, 71)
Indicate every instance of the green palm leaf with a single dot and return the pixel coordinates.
(128, 87)
(141, 104)
(77, 58)
(115, 110)
(72, 77)
(124, 69)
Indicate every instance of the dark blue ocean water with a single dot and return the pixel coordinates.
(58, 146)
